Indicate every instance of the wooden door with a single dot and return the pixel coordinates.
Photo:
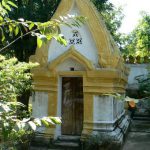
(72, 105)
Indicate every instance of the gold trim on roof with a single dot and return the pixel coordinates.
(73, 54)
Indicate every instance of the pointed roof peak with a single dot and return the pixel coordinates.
(107, 49)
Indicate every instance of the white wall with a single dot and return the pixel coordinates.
(39, 104)
(136, 70)
(103, 109)
(107, 109)
(68, 64)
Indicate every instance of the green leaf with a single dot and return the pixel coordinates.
(1, 19)
(2, 34)
(10, 28)
(25, 24)
(6, 6)
(39, 42)
(18, 126)
(26, 120)
(49, 120)
(6, 124)
(32, 125)
(31, 26)
(16, 30)
(21, 19)
(12, 4)
(3, 3)
(4, 108)
(60, 39)
(56, 120)
(45, 123)
(49, 36)
(38, 122)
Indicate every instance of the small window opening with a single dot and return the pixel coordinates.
(72, 69)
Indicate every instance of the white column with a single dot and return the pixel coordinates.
(40, 104)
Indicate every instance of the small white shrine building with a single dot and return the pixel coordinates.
(78, 82)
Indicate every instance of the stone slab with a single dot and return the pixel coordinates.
(140, 126)
(138, 141)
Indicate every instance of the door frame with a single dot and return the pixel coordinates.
(59, 95)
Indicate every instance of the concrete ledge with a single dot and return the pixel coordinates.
(113, 137)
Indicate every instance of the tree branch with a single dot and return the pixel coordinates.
(17, 39)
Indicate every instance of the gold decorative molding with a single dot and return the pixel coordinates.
(73, 54)
(94, 82)
(41, 55)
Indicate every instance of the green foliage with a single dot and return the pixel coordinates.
(5, 7)
(137, 42)
(101, 5)
(17, 131)
(15, 79)
(35, 10)
(113, 18)
(43, 31)
(12, 31)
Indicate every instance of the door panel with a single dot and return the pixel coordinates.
(72, 105)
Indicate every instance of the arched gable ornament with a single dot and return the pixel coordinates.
(72, 54)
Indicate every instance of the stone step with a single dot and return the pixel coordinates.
(144, 118)
(55, 149)
(42, 148)
(38, 148)
(141, 115)
(141, 122)
(67, 144)
(69, 138)
(140, 126)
